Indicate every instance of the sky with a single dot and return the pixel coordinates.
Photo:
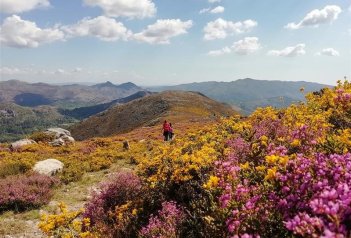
(167, 42)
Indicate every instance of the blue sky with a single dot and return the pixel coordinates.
(162, 42)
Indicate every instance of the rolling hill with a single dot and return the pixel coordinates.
(66, 96)
(81, 113)
(17, 121)
(175, 106)
(248, 94)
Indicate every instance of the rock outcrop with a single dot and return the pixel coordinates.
(48, 167)
(17, 145)
(61, 136)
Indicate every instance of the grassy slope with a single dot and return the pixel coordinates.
(151, 110)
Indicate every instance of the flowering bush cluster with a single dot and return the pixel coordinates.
(276, 173)
(111, 208)
(165, 224)
(65, 224)
(21, 192)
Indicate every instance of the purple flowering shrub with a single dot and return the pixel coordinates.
(289, 172)
(315, 195)
(21, 192)
(166, 224)
(108, 209)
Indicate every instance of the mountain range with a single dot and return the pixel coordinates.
(114, 108)
(248, 94)
(66, 96)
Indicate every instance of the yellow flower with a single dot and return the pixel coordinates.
(67, 235)
(295, 143)
(261, 168)
(271, 173)
(271, 159)
(77, 225)
(134, 212)
(85, 234)
(245, 166)
(283, 160)
(212, 182)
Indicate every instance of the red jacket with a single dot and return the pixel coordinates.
(166, 127)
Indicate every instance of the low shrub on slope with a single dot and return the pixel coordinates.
(277, 173)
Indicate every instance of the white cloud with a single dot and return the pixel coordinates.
(18, 6)
(60, 71)
(245, 46)
(15, 32)
(204, 10)
(316, 17)
(215, 10)
(218, 9)
(77, 70)
(214, 1)
(104, 28)
(225, 50)
(163, 30)
(329, 52)
(290, 51)
(220, 29)
(125, 8)
(9, 70)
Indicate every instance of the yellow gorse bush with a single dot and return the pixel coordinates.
(65, 224)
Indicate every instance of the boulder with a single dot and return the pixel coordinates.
(62, 136)
(20, 143)
(126, 145)
(68, 139)
(57, 142)
(48, 167)
(58, 132)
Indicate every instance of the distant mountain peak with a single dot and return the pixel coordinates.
(127, 85)
(107, 84)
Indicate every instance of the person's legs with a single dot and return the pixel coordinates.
(165, 134)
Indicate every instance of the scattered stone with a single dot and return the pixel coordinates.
(132, 160)
(126, 145)
(48, 167)
(53, 204)
(7, 113)
(20, 143)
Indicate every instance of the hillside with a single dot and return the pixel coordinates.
(71, 96)
(17, 121)
(248, 94)
(276, 173)
(85, 112)
(174, 106)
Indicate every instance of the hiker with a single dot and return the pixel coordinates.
(166, 129)
(171, 131)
